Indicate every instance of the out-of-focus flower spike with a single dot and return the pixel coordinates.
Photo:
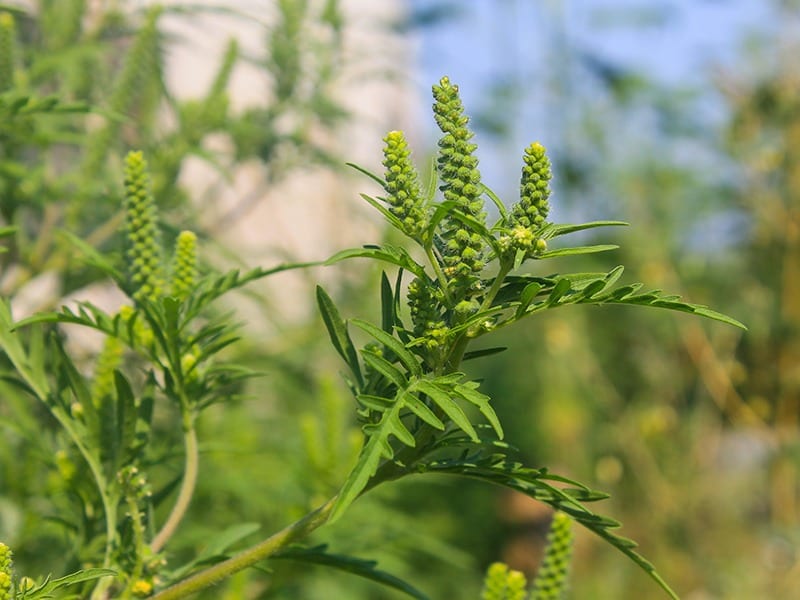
(143, 251)
(6, 572)
(551, 580)
(502, 583)
(184, 265)
(8, 42)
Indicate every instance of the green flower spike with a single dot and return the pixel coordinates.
(551, 580)
(502, 583)
(139, 67)
(6, 566)
(402, 185)
(426, 314)
(8, 36)
(529, 214)
(463, 249)
(184, 265)
(109, 359)
(144, 251)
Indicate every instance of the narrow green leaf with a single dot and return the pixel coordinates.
(360, 567)
(443, 400)
(79, 577)
(577, 250)
(377, 179)
(470, 394)
(553, 230)
(483, 352)
(527, 296)
(385, 368)
(337, 330)
(531, 482)
(387, 304)
(408, 359)
(126, 412)
(391, 218)
(377, 445)
(391, 254)
(376, 403)
(93, 257)
(501, 208)
(419, 408)
(561, 288)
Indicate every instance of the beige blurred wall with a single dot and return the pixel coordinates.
(312, 213)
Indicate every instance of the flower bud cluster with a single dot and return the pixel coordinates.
(144, 251)
(134, 482)
(426, 314)
(402, 185)
(529, 214)
(462, 249)
(184, 265)
(6, 572)
(502, 583)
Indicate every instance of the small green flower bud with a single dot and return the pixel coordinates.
(466, 307)
(502, 583)
(551, 580)
(402, 185)
(143, 252)
(184, 265)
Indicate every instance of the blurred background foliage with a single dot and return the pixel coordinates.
(692, 427)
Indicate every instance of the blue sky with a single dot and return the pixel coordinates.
(679, 44)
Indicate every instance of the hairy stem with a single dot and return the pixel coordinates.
(249, 557)
(186, 492)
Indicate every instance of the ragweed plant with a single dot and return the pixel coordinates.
(419, 411)
(458, 279)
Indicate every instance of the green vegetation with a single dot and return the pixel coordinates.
(183, 450)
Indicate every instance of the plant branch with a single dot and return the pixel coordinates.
(186, 492)
(250, 556)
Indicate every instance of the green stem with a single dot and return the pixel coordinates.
(249, 557)
(460, 345)
(496, 284)
(439, 274)
(186, 492)
(138, 535)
